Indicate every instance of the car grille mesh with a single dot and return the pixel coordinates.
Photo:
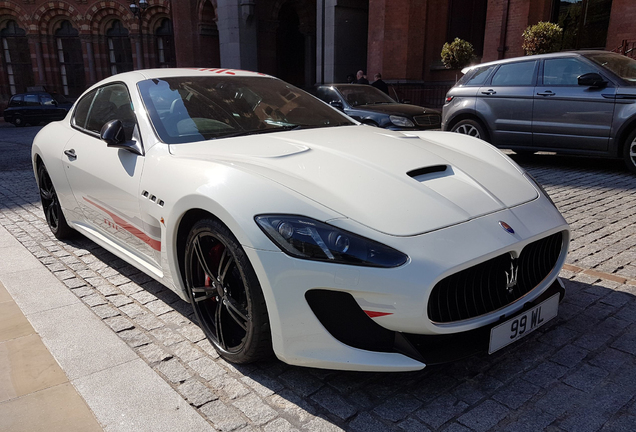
(428, 119)
(482, 288)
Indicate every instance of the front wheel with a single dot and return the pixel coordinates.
(469, 127)
(225, 294)
(51, 206)
(18, 121)
(629, 152)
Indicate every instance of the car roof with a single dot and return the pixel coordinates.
(580, 53)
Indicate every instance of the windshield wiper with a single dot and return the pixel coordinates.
(262, 131)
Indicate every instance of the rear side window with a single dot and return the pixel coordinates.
(477, 77)
(515, 74)
(16, 101)
(31, 100)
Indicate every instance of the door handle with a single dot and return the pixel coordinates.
(489, 92)
(71, 154)
(546, 93)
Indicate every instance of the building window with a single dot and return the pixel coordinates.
(119, 49)
(467, 21)
(69, 52)
(584, 22)
(16, 57)
(165, 44)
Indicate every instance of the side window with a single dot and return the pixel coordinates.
(328, 95)
(515, 74)
(111, 103)
(564, 71)
(16, 101)
(31, 100)
(47, 100)
(479, 76)
(81, 111)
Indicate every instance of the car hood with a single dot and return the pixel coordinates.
(396, 183)
(397, 109)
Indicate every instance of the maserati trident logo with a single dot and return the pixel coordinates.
(511, 276)
(507, 227)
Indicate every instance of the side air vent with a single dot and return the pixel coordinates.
(427, 170)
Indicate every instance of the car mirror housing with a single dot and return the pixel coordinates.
(592, 79)
(337, 104)
(113, 133)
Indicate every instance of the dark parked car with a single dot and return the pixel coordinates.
(33, 108)
(371, 106)
(581, 102)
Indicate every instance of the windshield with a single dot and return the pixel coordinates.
(361, 94)
(187, 109)
(621, 65)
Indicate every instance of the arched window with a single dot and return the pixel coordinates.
(165, 44)
(119, 49)
(69, 52)
(16, 57)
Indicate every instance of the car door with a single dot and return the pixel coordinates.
(506, 103)
(33, 110)
(105, 180)
(567, 115)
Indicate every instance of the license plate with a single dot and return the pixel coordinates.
(524, 324)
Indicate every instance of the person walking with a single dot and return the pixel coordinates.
(380, 84)
(361, 78)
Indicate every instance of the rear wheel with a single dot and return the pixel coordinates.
(51, 206)
(629, 152)
(18, 121)
(225, 294)
(469, 127)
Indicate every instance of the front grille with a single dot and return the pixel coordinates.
(481, 289)
(428, 120)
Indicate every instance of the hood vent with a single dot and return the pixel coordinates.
(433, 169)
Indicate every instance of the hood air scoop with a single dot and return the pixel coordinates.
(425, 173)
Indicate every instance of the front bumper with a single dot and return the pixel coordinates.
(407, 339)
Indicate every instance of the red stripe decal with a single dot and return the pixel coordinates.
(221, 70)
(155, 244)
(374, 314)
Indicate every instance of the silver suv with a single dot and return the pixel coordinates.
(581, 102)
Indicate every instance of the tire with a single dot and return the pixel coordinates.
(470, 127)
(225, 294)
(51, 206)
(18, 121)
(629, 152)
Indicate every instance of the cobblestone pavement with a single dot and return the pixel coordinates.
(577, 373)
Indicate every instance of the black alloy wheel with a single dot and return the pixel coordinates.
(225, 294)
(51, 205)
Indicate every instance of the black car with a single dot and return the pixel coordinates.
(369, 105)
(33, 108)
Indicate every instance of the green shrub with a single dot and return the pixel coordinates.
(457, 54)
(541, 38)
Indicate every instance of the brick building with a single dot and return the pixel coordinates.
(67, 45)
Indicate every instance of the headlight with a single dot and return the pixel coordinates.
(401, 121)
(533, 180)
(306, 238)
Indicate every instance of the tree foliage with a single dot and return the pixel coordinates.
(541, 38)
(457, 54)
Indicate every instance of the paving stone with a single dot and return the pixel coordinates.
(300, 382)
(186, 351)
(255, 409)
(134, 337)
(105, 311)
(148, 321)
(569, 356)
(321, 425)
(175, 318)
(327, 398)
(229, 387)
(412, 425)
(206, 367)
(279, 425)
(119, 323)
(143, 297)
(223, 417)
(158, 307)
(196, 393)
(441, 410)
(545, 374)
(83, 291)
(119, 300)
(132, 310)
(559, 399)
(128, 287)
(516, 393)
(364, 422)
(73, 282)
(173, 370)
(485, 416)
(586, 378)
(192, 332)
(94, 300)
(531, 421)
(167, 336)
(292, 406)
(610, 359)
(105, 288)
(154, 353)
(262, 384)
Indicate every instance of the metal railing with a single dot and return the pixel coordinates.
(627, 48)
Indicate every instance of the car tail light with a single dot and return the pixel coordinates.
(449, 99)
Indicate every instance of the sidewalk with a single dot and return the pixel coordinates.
(63, 369)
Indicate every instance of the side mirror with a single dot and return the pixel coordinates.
(54, 102)
(336, 104)
(591, 79)
(113, 133)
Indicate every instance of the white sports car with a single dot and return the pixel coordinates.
(295, 230)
